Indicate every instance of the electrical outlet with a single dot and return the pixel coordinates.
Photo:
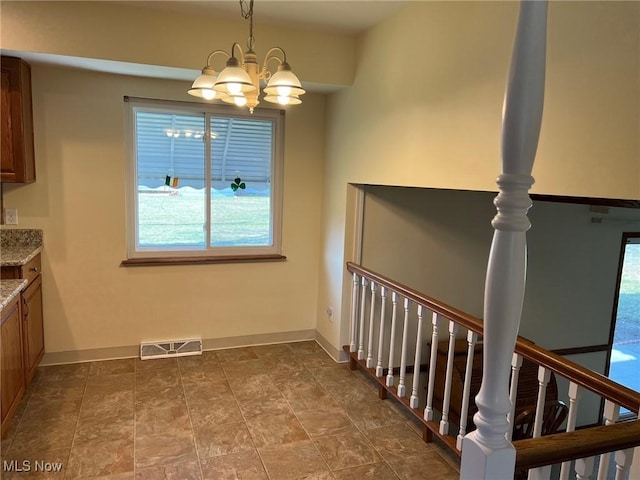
(330, 314)
(11, 216)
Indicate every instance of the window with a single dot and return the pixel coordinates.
(203, 181)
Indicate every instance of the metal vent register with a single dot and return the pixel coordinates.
(173, 348)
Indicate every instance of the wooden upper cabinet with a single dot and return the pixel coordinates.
(18, 158)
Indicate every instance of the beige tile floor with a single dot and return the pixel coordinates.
(275, 412)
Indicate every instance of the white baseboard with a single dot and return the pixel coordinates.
(338, 355)
(133, 351)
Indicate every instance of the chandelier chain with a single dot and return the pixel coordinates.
(246, 10)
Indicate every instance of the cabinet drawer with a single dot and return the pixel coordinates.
(32, 269)
(29, 270)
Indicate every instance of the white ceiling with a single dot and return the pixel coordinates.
(348, 17)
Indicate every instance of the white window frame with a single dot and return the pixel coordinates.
(135, 252)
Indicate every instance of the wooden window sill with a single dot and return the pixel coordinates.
(166, 261)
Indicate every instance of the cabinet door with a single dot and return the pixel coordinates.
(6, 140)
(12, 372)
(17, 159)
(33, 329)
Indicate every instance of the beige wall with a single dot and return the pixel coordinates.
(90, 301)
(437, 242)
(425, 110)
(159, 37)
(78, 200)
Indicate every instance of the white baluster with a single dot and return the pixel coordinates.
(540, 473)
(354, 314)
(415, 400)
(403, 353)
(584, 468)
(516, 364)
(428, 410)
(623, 458)
(370, 343)
(383, 305)
(363, 301)
(544, 376)
(392, 340)
(472, 337)
(611, 414)
(486, 453)
(444, 422)
(575, 394)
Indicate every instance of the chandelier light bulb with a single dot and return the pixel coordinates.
(208, 94)
(240, 100)
(284, 87)
(203, 85)
(283, 91)
(234, 88)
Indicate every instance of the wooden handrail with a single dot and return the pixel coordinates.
(589, 379)
(563, 447)
(468, 321)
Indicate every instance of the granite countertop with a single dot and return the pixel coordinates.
(9, 289)
(17, 247)
(18, 255)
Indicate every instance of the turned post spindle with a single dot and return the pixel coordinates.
(371, 315)
(383, 305)
(428, 409)
(354, 314)
(516, 364)
(415, 400)
(392, 340)
(363, 303)
(446, 402)
(611, 414)
(402, 389)
(486, 452)
(544, 375)
(575, 394)
(472, 337)
(623, 460)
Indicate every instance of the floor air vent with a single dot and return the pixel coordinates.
(174, 348)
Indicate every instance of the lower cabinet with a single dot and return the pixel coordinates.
(32, 328)
(22, 337)
(12, 379)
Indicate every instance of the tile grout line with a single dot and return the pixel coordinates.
(135, 414)
(195, 441)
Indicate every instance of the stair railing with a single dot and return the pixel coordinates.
(428, 356)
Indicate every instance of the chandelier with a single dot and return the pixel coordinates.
(239, 82)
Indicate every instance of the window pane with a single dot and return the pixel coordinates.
(241, 196)
(171, 180)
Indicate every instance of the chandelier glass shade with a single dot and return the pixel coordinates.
(239, 82)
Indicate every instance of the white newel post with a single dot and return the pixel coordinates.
(486, 452)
